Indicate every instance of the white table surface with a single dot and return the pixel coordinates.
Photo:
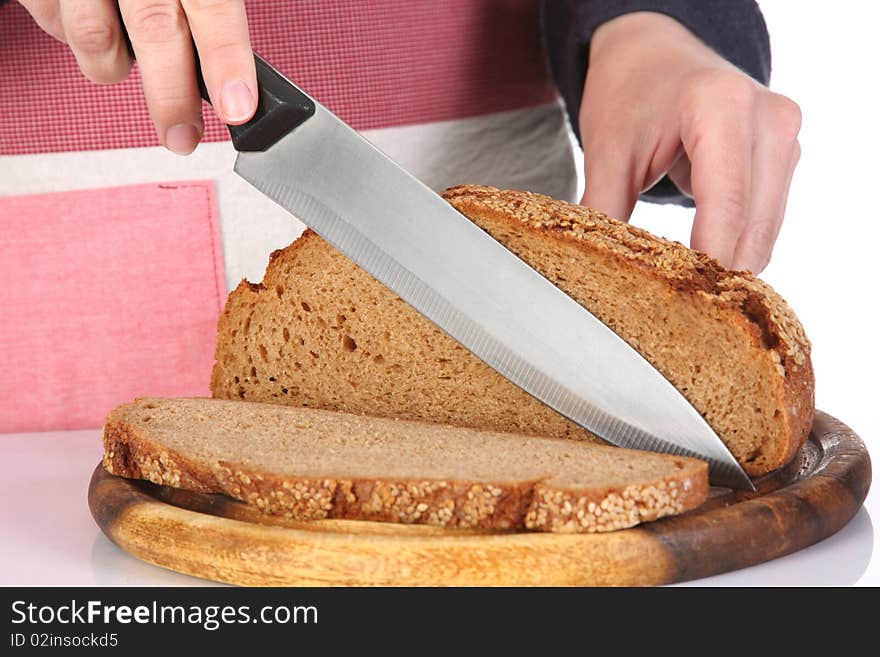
(48, 537)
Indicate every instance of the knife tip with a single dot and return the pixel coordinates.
(730, 475)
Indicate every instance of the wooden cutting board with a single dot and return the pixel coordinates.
(218, 538)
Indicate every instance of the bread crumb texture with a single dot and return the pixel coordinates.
(307, 464)
(320, 332)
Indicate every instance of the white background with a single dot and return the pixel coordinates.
(825, 56)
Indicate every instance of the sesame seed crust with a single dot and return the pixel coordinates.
(587, 512)
(685, 268)
(532, 505)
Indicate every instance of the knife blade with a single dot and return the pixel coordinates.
(328, 176)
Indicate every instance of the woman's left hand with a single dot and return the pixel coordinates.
(659, 101)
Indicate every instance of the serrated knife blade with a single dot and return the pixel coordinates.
(411, 240)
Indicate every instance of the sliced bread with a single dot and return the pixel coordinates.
(310, 464)
(321, 332)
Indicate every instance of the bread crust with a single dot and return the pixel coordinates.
(533, 505)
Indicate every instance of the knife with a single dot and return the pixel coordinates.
(324, 173)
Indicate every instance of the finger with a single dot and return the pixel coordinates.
(162, 43)
(720, 150)
(611, 181)
(221, 34)
(95, 37)
(680, 175)
(775, 157)
(47, 14)
(755, 247)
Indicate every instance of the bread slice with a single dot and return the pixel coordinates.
(310, 464)
(321, 332)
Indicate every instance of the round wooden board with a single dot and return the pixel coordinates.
(218, 538)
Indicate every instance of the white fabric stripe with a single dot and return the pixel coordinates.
(523, 149)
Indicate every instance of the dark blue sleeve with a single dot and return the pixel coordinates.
(735, 29)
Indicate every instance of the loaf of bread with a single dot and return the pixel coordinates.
(310, 464)
(321, 332)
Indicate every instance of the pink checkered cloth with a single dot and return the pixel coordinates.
(113, 293)
(106, 295)
(376, 64)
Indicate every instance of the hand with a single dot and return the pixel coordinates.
(162, 32)
(659, 101)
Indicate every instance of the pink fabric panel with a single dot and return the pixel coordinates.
(105, 295)
(376, 64)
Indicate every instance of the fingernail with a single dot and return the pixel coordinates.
(181, 138)
(236, 101)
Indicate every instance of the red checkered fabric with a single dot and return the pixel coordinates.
(376, 64)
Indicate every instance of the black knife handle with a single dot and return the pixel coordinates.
(281, 106)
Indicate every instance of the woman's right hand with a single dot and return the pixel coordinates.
(162, 33)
